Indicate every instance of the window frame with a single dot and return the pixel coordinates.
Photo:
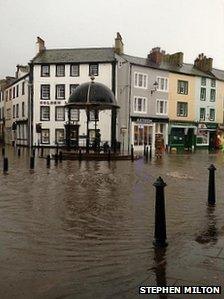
(182, 103)
(212, 90)
(56, 92)
(165, 107)
(71, 73)
(203, 99)
(144, 80)
(41, 137)
(56, 116)
(78, 113)
(57, 74)
(136, 104)
(166, 79)
(41, 113)
(23, 109)
(211, 119)
(91, 65)
(42, 74)
(57, 130)
(179, 87)
(41, 91)
(202, 119)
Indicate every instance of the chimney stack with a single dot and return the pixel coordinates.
(175, 59)
(156, 55)
(203, 63)
(40, 45)
(119, 46)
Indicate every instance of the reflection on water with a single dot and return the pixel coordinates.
(160, 268)
(85, 230)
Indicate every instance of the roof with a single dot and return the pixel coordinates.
(185, 68)
(92, 94)
(80, 55)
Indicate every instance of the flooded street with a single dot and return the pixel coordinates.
(85, 230)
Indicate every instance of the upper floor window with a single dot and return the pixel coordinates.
(23, 88)
(203, 94)
(212, 114)
(45, 136)
(13, 92)
(213, 83)
(6, 95)
(182, 87)
(45, 92)
(140, 105)
(73, 87)
(45, 70)
(203, 81)
(17, 90)
(74, 114)
(140, 80)
(60, 70)
(161, 107)
(17, 110)
(60, 91)
(14, 111)
(59, 113)
(44, 112)
(59, 135)
(182, 109)
(94, 69)
(202, 113)
(74, 70)
(162, 84)
(93, 115)
(10, 93)
(212, 95)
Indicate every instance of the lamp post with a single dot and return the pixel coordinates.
(123, 131)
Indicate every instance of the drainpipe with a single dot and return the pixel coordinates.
(30, 106)
(129, 108)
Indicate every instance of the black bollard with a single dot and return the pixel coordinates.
(56, 158)
(3, 151)
(132, 153)
(160, 217)
(5, 165)
(33, 151)
(80, 154)
(147, 154)
(60, 156)
(32, 159)
(211, 185)
(109, 155)
(57, 149)
(48, 160)
(19, 152)
(42, 152)
(144, 149)
(150, 152)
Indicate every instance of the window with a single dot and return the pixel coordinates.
(59, 136)
(203, 81)
(44, 112)
(182, 109)
(45, 92)
(74, 114)
(60, 70)
(162, 84)
(160, 128)
(6, 95)
(45, 136)
(10, 94)
(23, 109)
(213, 83)
(142, 135)
(45, 70)
(202, 113)
(140, 80)
(17, 110)
(182, 87)
(59, 113)
(94, 115)
(94, 69)
(212, 95)
(23, 88)
(8, 113)
(13, 111)
(17, 90)
(140, 105)
(203, 94)
(74, 70)
(73, 87)
(161, 107)
(212, 114)
(60, 91)
(13, 92)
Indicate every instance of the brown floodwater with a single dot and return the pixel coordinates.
(85, 230)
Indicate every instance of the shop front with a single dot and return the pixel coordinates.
(182, 135)
(207, 135)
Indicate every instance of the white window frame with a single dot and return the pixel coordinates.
(59, 113)
(42, 112)
(135, 104)
(144, 80)
(45, 93)
(158, 78)
(165, 107)
(60, 93)
(74, 114)
(58, 132)
(210, 119)
(45, 136)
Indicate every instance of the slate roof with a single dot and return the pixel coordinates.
(81, 55)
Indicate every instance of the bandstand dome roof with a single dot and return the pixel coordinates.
(92, 94)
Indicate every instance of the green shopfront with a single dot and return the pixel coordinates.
(182, 135)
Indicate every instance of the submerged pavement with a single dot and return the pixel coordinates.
(85, 230)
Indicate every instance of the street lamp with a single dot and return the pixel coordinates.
(123, 131)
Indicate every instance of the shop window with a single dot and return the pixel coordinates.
(202, 137)
(142, 135)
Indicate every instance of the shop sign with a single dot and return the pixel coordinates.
(143, 120)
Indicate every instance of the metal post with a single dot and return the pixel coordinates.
(80, 154)
(19, 152)
(211, 185)
(34, 150)
(150, 152)
(132, 153)
(3, 151)
(56, 158)
(109, 155)
(147, 154)
(42, 152)
(57, 148)
(160, 218)
(5, 165)
(60, 156)
(48, 161)
(32, 162)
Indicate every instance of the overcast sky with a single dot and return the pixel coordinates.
(190, 26)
